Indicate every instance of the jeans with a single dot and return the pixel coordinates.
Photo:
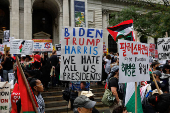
(5, 74)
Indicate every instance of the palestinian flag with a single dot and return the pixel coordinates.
(122, 30)
(20, 47)
(27, 106)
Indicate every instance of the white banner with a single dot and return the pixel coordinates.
(4, 97)
(134, 61)
(163, 48)
(11, 76)
(20, 46)
(81, 54)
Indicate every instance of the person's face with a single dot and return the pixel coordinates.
(125, 111)
(39, 86)
(85, 110)
(45, 54)
(82, 86)
(167, 70)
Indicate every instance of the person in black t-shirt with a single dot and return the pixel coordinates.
(114, 87)
(7, 63)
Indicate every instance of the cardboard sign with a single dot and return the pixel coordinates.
(20, 46)
(163, 48)
(11, 76)
(4, 97)
(43, 45)
(81, 54)
(134, 63)
(58, 49)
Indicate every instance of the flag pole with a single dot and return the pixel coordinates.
(156, 84)
(26, 83)
(136, 105)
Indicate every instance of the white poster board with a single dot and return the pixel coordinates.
(58, 49)
(11, 76)
(81, 54)
(134, 61)
(163, 45)
(6, 36)
(4, 97)
(44, 45)
(2, 48)
(20, 46)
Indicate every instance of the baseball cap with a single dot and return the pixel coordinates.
(114, 69)
(83, 101)
(87, 93)
(158, 73)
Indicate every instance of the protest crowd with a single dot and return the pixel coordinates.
(36, 73)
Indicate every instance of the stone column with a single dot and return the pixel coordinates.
(14, 19)
(66, 18)
(61, 23)
(105, 24)
(27, 20)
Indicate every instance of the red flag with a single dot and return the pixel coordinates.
(27, 106)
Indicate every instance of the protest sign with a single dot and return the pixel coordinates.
(58, 49)
(20, 46)
(81, 54)
(4, 97)
(152, 49)
(163, 48)
(42, 45)
(134, 63)
(11, 76)
(156, 53)
(2, 48)
(6, 36)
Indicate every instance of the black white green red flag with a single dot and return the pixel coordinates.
(122, 30)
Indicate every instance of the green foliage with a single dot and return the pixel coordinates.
(151, 20)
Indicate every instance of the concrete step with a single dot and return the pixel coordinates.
(64, 109)
(53, 98)
(56, 104)
(57, 109)
(52, 93)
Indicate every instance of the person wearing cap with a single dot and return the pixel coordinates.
(113, 86)
(83, 104)
(90, 95)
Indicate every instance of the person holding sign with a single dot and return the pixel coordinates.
(7, 63)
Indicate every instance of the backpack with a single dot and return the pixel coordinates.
(108, 97)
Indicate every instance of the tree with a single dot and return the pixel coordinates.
(151, 20)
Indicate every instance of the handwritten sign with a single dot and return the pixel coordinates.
(152, 48)
(4, 97)
(58, 49)
(81, 54)
(20, 46)
(134, 63)
(43, 45)
(11, 76)
(163, 48)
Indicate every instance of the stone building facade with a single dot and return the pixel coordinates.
(29, 19)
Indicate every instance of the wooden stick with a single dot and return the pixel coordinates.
(166, 34)
(26, 83)
(156, 84)
(136, 97)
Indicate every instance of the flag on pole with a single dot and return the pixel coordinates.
(122, 30)
(27, 106)
(130, 98)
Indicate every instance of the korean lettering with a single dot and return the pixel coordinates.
(129, 69)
